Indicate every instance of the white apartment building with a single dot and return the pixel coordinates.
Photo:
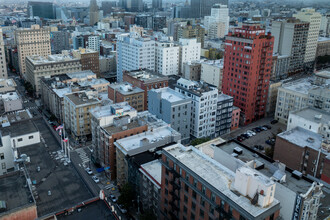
(314, 19)
(20, 134)
(203, 107)
(211, 72)
(133, 53)
(217, 24)
(31, 41)
(3, 65)
(93, 43)
(190, 50)
(167, 58)
(39, 66)
(312, 119)
(292, 96)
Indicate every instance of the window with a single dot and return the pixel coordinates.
(194, 194)
(193, 206)
(20, 139)
(185, 209)
(185, 199)
(186, 188)
(3, 165)
(201, 213)
(31, 137)
(203, 189)
(2, 156)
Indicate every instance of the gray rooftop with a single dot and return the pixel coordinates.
(224, 97)
(301, 85)
(146, 76)
(126, 88)
(153, 169)
(171, 95)
(14, 192)
(314, 115)
(81, 98)
(19, 129)
(302, 138)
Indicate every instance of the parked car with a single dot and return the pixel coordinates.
(122, 209)
(267, 126)
(259, 147)
(251, 132)
(246, 136)
(264, 128)
(89, 171)
(96, 179)
(270, 142)
(239, 138)
(258, 129)
(113, 198)
(274, 121)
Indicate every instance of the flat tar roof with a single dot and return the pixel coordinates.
(19, 129)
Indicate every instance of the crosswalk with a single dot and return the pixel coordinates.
(83, 156)
(32, 107)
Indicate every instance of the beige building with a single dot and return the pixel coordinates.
(211, 72)
(314, 19)
(77, 117)
(3, 65)
(323, 46)
(31, 41)
(272, 97)
(7, 85)
(38, 66)
(89, 59)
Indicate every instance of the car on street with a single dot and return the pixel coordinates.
(274, 121)
(96, 179)
(258, 147)
(263, 128)
(122, 209)
(270, 142)
(246, 136)
(240, 139)
(89, 171)
(267, 126)
(113, 198)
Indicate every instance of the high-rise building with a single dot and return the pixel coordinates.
(41, 9)
(290, 39)
(191, 31)
(194, 185)
(78, 42)
(201, 8)
(172, 107)
(157, 4)
(190, 50)
(89, 59)
(203, 108)
(38, 67)
(134, 53)
(93, 12)
(224, 114)
(59, 40)
(314, 19)
(107, 7)
(211, 72)
(158, 22)
(3, 65)
(247, 69)
(167, 58)
(217, 23)
(93, 43)
(132, 5)
(31, 41)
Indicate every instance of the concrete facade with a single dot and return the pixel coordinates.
(89, 59)
(190, 50)
(3, 65)
(211, 72)
(167, 58)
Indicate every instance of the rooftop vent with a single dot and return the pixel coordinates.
(310, 140)
(318, 117)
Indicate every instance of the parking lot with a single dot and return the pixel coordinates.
(259, 138)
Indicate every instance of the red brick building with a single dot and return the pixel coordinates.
(197, 187)
(112, 133)
(146, 80)
(125, 92)
(247, 69)
(302, 150)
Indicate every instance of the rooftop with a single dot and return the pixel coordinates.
(224, 97)
(195, 87)
(93, 82)
(171, 95)
(19, 129)
(10, 96)
(323, 39)
(7, 84)
(302, 138)
(82, 74)
(153, 170)
(217, 175)
(146, 75)
(301, 85)
(216, 63)
(82, 98)
(14, 192)
(85, 51)
(324, 73)
(56, 58)
(106, 110)
(126, 88)
(314, 115)
(113, 129)
(145, 141)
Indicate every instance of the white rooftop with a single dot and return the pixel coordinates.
(153, 169)
(10, 96)
(103, 111)
(170, 94)
(36, 59)
(63, 91)
(94, 82)
(301, 85)
(216, 63)
(322, 39)
(314, 115)
(217, 175)
(81, 74)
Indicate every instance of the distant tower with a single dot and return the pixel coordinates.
(93, 13)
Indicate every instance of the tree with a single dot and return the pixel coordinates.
(198, 141)
(126, 195)
(269, 151)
